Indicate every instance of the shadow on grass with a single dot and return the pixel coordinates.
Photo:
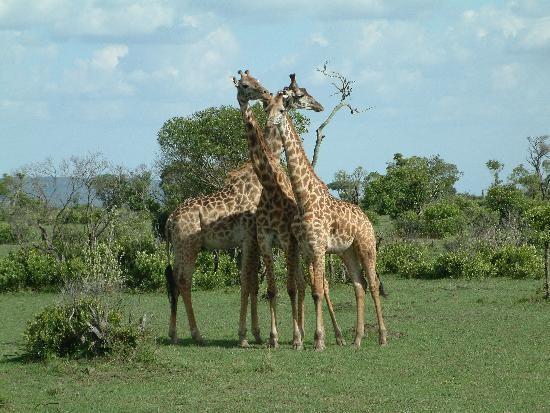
(189, 342)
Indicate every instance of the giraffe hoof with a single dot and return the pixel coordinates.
(273, 342)
(340, 341)
(383, 338)
(298, 346)
(319, 346)
(244, 343)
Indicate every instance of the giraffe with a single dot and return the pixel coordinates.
(277, 206)
(325, 224)
(224, 219)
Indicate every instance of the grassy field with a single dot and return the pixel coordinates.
(479, 346)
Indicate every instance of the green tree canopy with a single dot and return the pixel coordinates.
(349, 186)
(197, 151)
(409, 184)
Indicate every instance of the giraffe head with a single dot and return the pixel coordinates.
(298, 98)
(248, 88)
(277, 108)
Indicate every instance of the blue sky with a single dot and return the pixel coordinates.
(468, 80)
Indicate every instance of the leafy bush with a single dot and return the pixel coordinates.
(205, 278)
(409, 224)
(12, 274)
(85, 328)
(148, 271)
(408, 259)
(517, 262)
(6, 234)
(462, 264)
(442, 218)
(142, 261)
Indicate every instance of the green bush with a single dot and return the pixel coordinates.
(443, 218)
(142, 261)
(408, 259)
(85, 328)
(205, 278)
(515, 261)
(148, 271)
(12, 274)
(409, 224)
(462, 264)
(6, 234)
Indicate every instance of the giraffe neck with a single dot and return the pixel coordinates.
(264, 157)
(306, 185)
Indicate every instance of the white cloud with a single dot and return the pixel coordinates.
(89, 18)
(108, 58)
(538, 35)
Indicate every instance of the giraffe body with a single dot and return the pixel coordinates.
(325, 224)
(222, 220)
(277, 207)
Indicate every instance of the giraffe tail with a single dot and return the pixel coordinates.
(381, 289)
(383, 292)
(171, 288)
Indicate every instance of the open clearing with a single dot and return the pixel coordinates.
(454, 345)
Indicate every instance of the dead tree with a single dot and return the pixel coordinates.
(344, 89)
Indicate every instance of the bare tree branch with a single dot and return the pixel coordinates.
(344, 89)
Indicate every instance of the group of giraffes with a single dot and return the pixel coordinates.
(260, 206)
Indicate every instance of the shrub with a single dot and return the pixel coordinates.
(142, 262)
(408, 259)
(227, 273)
(462, 264)
(442, 218)
(517, 262)
(6, 234)
(148, 271)
(409, 224)
(85, 328)
(12, 274)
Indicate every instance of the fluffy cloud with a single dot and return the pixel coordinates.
(88, 18)
(109, 57)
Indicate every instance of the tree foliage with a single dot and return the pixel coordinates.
(349, 186)
(409, 184)
(197, 151)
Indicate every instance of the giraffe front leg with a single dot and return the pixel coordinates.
(317, 293)
(337, 332)
(264, 243)
(293, 266)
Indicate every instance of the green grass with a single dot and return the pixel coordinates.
(480, 346)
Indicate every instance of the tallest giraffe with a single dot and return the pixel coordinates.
(325, 224)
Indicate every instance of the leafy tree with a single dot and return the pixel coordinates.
(539, 158)
(525, 180)
(197, 151)
(496, 168)
(122, 187)
(539, 220)
(409, 184)
(507, 200)
(349, 186)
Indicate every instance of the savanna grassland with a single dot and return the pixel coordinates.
(454, 345)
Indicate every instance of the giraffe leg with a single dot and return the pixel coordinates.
(184, 280)
(249, 288)
(265, 244)
(368, 261)
(337, 332)
(353, 266)
(317, 291)
(293, 267)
